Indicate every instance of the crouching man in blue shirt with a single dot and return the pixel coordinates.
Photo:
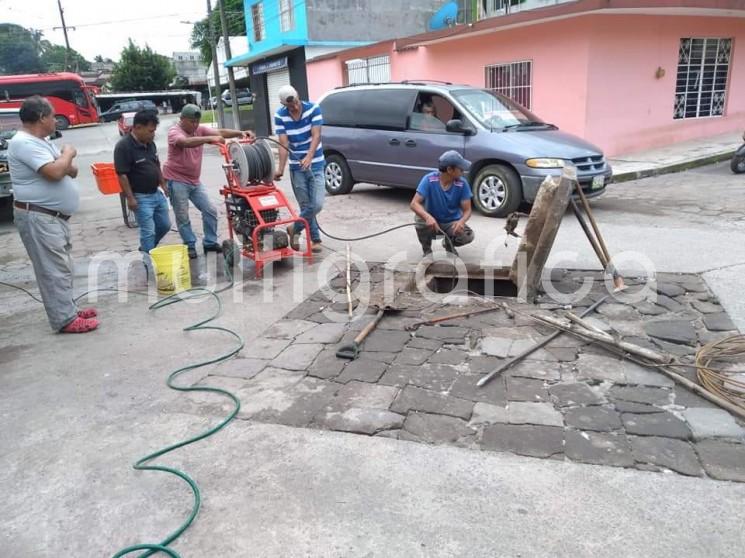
(442, 204)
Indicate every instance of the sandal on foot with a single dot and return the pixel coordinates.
(87, 313)
(80, 325)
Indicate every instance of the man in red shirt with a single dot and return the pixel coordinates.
(186, 140)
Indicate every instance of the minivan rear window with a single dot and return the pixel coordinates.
(381, 109)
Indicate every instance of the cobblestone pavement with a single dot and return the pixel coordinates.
(569, 401)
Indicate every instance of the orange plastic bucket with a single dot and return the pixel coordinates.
(106, 178)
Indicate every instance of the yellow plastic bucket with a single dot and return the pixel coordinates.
(171, 268)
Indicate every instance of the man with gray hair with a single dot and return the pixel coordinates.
(298, 125)
(46, 195)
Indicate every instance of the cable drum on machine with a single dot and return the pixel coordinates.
(253, 166)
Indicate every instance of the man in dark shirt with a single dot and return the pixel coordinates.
(137, 164)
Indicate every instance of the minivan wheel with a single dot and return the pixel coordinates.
(497, 191)
(338, 177)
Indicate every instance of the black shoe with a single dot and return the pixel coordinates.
(212, 248)
(192, 253)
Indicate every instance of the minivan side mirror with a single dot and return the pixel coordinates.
(456, 126)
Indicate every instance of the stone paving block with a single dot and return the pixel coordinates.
(571, 394)
(598, 419)
(269, 390)
(638, 375)
(520, 345)
(482, 364)
(526, 389)
(658, 424)
(637, 408)
(327, 365)
(289, 329)
(674, 349)
(392, 434)
(363, 396)
(304, 310)
(639, 394)
(362, 370)
(297, 357)
(447, 334)
(676, 455)
(533, 441)
(712, 423)
(449, 356)
(718, 322)
(413, 357)
(674, 331)
(722, 460)
(420, 343)
(486, 413)
(303, 401)
(706, 307)
(539, 370)
(465, 387)
(387, 341)
(496, 346)
(245, 368)
(519, 412)
(436, 429)
(398, 375)
(670, 304)
(669, 289)
(417, 399)
(323, 333)
(686, 398)
(563, 354)
(647, 308)
(437, 377)
(360, 421)
(265, 348)
(379, 356)
(598, 448)
(591, 366)
(617, 311)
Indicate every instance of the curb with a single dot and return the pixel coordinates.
(675, 167)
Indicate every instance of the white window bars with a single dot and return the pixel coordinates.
(513, 80)
(703, 73)
(376, 69)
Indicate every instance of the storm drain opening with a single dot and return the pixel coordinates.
(489, 282)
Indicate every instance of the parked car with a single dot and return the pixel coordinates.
(125, 123)
(245, 97)
(126, 106)
(382, 134)
(10, 123)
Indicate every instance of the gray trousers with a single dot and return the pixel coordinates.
(47, 241)
(426, 234)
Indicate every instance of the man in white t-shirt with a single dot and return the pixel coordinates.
(46, 195)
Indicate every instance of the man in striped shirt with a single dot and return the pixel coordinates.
(298, 125)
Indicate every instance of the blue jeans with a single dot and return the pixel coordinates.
(310, 189)
(181, 193)
(153, 218)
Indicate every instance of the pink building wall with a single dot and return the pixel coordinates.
(593, 76)
(629, 108)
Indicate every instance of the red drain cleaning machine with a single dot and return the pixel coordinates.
(257, 211)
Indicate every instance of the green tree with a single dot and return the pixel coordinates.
(20, 50)
(200, 36)
(53, 59)
(141, 69)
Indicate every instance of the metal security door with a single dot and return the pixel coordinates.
(275, 80)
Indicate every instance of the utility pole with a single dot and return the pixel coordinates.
(231, 75)
(215, 67)
(64, 30)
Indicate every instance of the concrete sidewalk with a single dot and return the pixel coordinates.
(675, 158)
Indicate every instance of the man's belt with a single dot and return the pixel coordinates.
(33, 207)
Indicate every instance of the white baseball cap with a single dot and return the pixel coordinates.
(287, 93)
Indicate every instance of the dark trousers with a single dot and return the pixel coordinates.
(426, 235)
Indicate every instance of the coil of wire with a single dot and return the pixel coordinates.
(720, 368)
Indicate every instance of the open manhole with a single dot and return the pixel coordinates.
(478, 280)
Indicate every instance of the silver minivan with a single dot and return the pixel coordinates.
(392, 134)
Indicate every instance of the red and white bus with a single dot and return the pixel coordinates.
(74, 102)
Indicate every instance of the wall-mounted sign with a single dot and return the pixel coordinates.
(271, 66)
